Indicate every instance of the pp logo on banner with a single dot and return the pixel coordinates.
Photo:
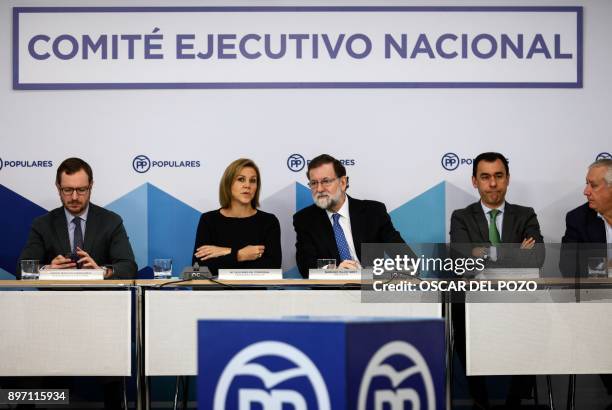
(601, 155)
(237, 379)
(141, 164)
(296, 162)
(450, 161)
(1, 162)
(413, 385)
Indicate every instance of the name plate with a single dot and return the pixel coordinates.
(71, 274)
(334, 274)
(250, 274)
(509, 273)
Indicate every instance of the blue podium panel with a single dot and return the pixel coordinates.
(321, 364)
(396, 365)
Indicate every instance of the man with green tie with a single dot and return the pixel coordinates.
(484, 224)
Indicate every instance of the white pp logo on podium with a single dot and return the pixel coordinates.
(242, 364)
(396, 398)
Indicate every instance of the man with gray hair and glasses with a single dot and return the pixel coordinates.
(591, 222)
(588, 231)
(336, 225)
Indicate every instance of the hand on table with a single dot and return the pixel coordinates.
(528, 243)
(61, 262)
(349, 264)
(206, 252)
(250, 253)
(85, 260)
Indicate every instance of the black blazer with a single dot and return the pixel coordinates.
(585, 236)
(105, 240)
(370, 223)
(469, 225)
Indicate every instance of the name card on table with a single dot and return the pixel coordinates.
(71, 274)
(334, 274)
(509, 273)
(250, 274)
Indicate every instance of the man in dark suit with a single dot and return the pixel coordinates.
(588, 230)
(483, 225)
(79, 233)
(336, 225)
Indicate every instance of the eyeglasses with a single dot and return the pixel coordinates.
(80, 190)
(325, 183)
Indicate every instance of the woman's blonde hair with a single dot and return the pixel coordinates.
(225, 186)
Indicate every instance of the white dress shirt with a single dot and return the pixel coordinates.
(608, 236)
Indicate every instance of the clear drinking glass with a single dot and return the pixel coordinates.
(326, 264)
(29, 269)
(162, 268)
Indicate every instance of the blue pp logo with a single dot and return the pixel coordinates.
(141, 164)
(296, 162)
(602, 155)
(411, 385)
(247, 383)
(450, 161)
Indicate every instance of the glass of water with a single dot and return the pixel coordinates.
(597, 267)
(326, 264)
(29, 269)
(162, 268)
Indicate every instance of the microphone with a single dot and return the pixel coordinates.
(196, 272)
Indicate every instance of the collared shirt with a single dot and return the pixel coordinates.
(608, 235)
(345, 223)
(499, 221)
(69, 218)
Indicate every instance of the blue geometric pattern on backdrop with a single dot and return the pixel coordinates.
(16, 215)
(303, 198)
(421, 220)
(172, 229)
(133, 208)
(282, 203)
(159, 226)
(4, 275)
(456, 198)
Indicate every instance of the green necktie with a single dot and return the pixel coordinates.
(493, 232)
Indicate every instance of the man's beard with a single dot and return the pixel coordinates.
(80, 204)
(327, 201)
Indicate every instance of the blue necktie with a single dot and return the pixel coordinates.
(341, 243)
(78, 235)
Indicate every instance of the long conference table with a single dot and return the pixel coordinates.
(84, 328)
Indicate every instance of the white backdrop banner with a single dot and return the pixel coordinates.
(158, 153)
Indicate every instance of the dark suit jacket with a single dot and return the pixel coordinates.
(370, 223)
(469, 225)
(585, 236)
(105, 240)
